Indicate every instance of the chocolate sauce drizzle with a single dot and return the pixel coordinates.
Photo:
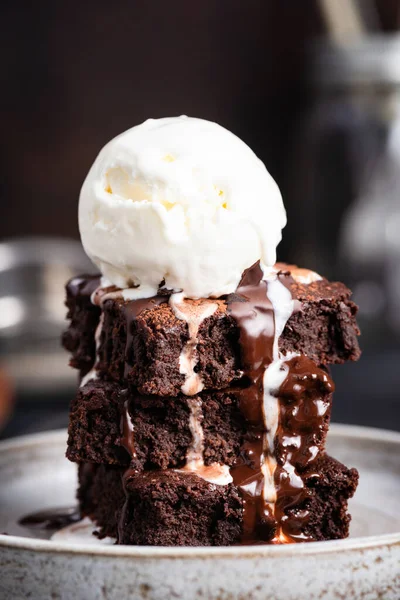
(254, 314)
(304, 410)
(280, 455)
(84, 285)
(132, 309)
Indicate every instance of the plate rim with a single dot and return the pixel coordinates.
(388, 540)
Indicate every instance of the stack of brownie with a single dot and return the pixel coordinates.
(203, 422)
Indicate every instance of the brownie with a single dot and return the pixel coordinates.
(145, 351)
(200, 430)
(84, 317)
(101, 494)
(165, 508)
(161, 434)
(329, 491)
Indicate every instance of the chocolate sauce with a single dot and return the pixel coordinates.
(302, 414)
(258, 518)
(84, 285)
(254, 314)
(51, 519)
(253, 311)
(305, 403)
(132, 309)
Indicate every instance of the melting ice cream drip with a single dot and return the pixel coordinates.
(214, 473)
(274, 375)
(127, 431)
(193, 314)
(194, 456)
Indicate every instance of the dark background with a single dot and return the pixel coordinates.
(77, 77)
(76, 74)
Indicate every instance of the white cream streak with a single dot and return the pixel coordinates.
(194, 455)
(193, 314)
(274, 376)
(214, 473)
(303, 276)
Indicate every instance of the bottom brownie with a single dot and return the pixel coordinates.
(170, 508)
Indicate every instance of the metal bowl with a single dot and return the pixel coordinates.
(33, 273)
(35, 475)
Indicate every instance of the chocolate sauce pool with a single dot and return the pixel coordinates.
(51, 519)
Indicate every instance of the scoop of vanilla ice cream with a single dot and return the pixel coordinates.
(181, 200)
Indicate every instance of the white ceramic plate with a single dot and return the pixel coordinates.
(34, 475)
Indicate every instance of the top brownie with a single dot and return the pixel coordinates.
(145, 351)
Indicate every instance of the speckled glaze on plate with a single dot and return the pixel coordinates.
(35, 475)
